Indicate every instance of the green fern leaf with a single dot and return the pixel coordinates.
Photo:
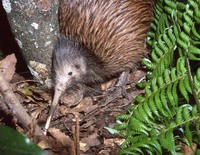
(180, 6)
(171, 35)
(193, 57)
(161, 44)
(179, 117)
(167, 141)
(164, 102)
(153, 26)
(160, 82)
(121, 127)
(132, 108)
(193, 49)
(143, 116)
(194, 111)
(186, 112)
(168, 10)
(154, 57)
(160, 68)
(182, 44)
(139, 116)
(187, 85)
(188, 133)
(176, 31)
(162, 118)
(167, 40)
(198, 74)
(193, 52)
(149, 41)
(152, 106)
(167, 77)
(123, 117)
(193, 3)
(173, 74)
(139, 99)
(126, 143)
(174, 92)
(183, 90)
(145, 143)
(148, 91)
(171, 4)
(188, 19)
(148, 110)
(159, 105)
(170, 95)
(147, 63)
(195, 33)
(137, 125)
(187, 28)
(151, 34)
(181, 70)
(154, 85)
(184, 37)
(158, 51)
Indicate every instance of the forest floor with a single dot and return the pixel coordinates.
(80, 127)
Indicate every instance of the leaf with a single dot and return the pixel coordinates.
(147, 110)
(179, 117)
(159, 104)
(188, 133)
(14, 143)
(183, 90)
(152, 106)
(111, 130)
(138, 125)
(170, 95)
(7, 66)
(187, 85)
(165, 105)
(167, 140)
(164, 102)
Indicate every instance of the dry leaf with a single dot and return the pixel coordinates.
(71, 99)
(58, 142)
(108, 84)
(91, 140)
(7, 66)
(84, 104)
(84, 147)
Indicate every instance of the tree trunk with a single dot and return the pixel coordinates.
(35, 26)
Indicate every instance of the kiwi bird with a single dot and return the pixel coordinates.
(100, 39)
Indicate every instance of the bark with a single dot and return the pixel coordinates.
(35, 26)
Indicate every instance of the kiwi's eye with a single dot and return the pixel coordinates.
(77, 66)
(70, 73)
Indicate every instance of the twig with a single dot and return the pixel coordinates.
(77, 134)
(16, 109)
(74, 137)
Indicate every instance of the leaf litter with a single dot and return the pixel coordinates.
(75, 127)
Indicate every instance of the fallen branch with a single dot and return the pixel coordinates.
(16, 109)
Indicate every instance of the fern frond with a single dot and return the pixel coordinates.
(169, 110)
(167, 141)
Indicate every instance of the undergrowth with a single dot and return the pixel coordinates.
(167, 115)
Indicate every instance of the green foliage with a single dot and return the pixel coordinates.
(14, 143)
(168, 113)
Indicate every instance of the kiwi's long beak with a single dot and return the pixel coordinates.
(56, 99)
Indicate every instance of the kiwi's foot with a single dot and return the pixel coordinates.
(119, 89)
